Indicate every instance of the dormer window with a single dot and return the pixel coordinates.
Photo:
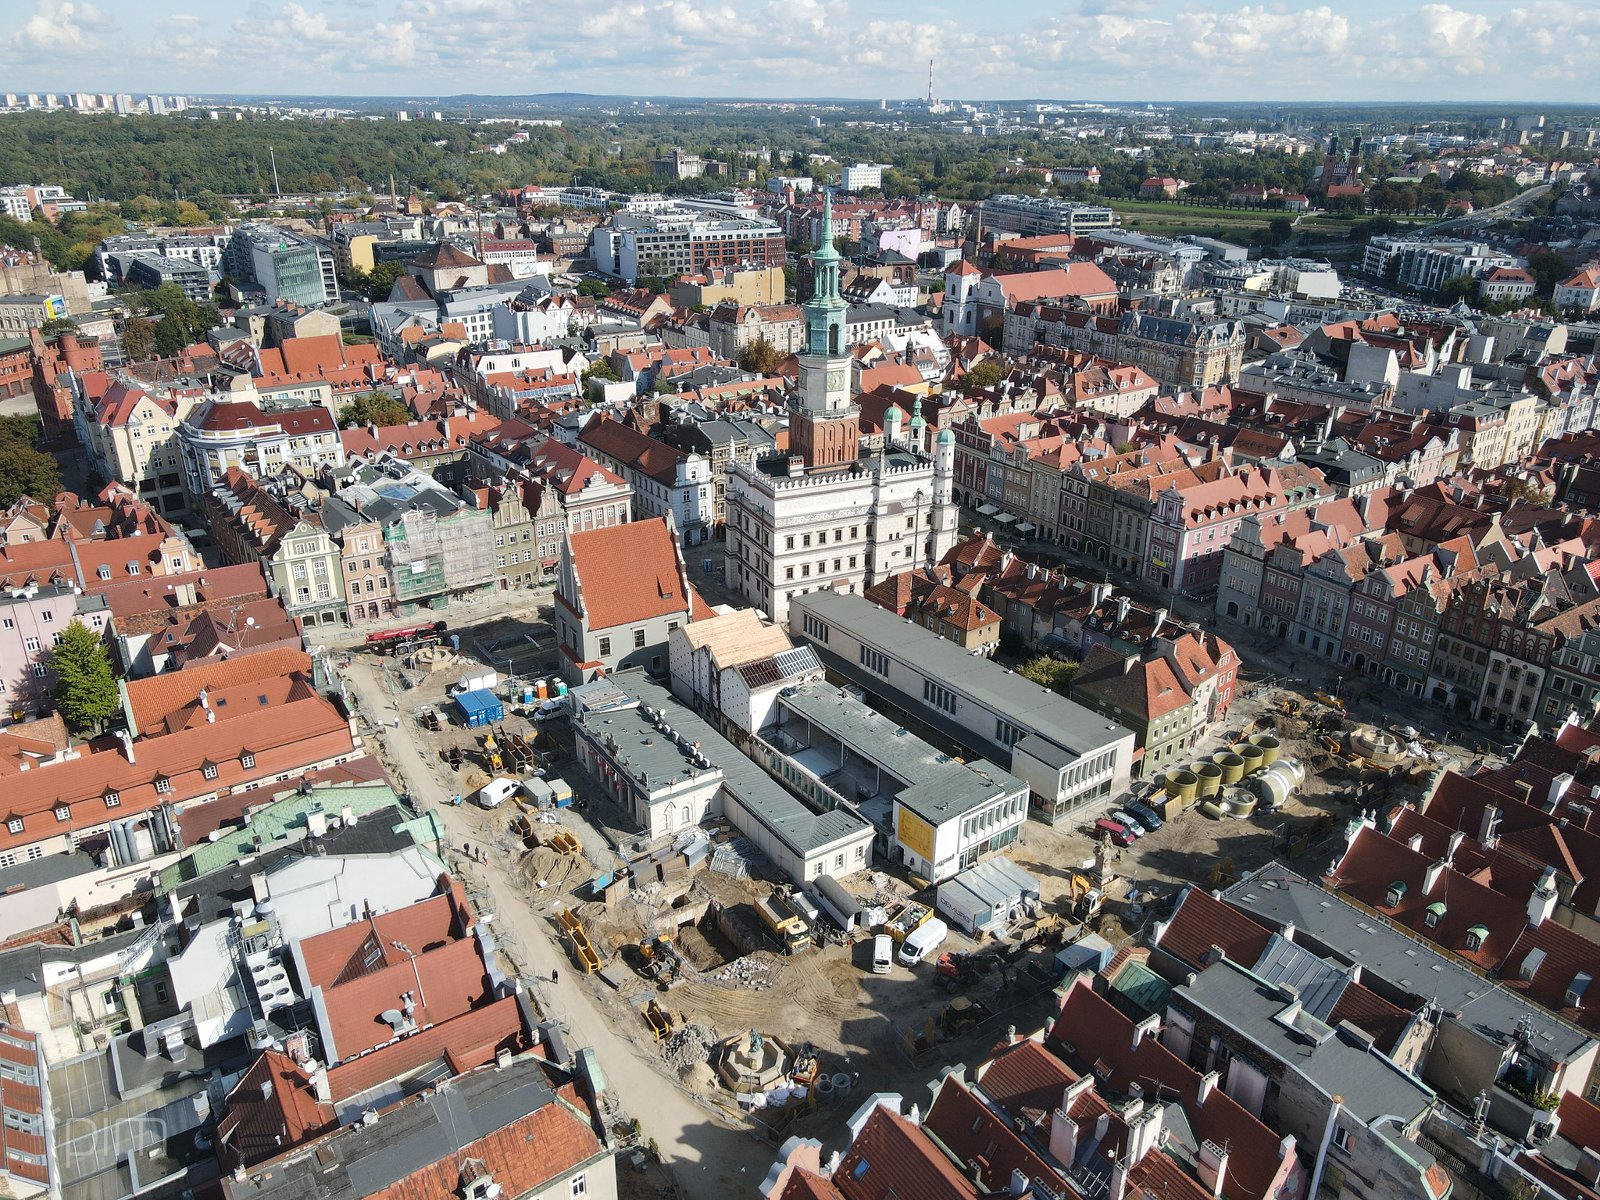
(14, 825)
(103, 571)
(247, 760)
(112, 799)
(1577, 988)
(209, 770)
(1434, 915)
(1476, 936)
(63, 812)
(163, 785)
(1395, 894)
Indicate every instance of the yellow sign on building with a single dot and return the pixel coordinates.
(914, 833)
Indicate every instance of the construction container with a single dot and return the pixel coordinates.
(1210, 777)
(480, 708)
(1182, 785)
(1270, 747)
(560, 791)
(1253, 756)
(1232, 766)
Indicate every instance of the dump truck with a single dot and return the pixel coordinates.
(785, 925)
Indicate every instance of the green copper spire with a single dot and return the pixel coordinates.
(824, 312)
(827, 252)
(916, 414)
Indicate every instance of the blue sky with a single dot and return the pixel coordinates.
(1091, 49)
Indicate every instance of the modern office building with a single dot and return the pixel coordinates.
(284, 265)
(1030, 216)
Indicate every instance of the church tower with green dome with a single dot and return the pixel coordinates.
(825, 424)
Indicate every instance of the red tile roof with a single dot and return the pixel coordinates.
(975, 1134)
(631, 448)
(524, 1157)
(154, 701)
(1201, 921)
(279, 740)
(627, 574)
(271, 1109)
(471, 1040)
(891, 1159)
(19, 1051)
(1098, 1033)
(444, 983)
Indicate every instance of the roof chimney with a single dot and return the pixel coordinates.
(1489, 827)
(1542, 902)
(1430, 877)
(127, 744)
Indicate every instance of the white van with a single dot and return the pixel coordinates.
(882, 954)
(922, 941)
(496, 792)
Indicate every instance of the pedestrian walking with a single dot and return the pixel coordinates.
(553, 974)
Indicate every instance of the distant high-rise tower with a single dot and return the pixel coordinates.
(930, 83)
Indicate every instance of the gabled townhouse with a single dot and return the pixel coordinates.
(620, 594)
(254, 523)
(665, 481)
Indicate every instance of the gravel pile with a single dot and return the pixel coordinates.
(689, 1045)
(755, 972)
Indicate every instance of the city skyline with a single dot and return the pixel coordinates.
(1156, 50)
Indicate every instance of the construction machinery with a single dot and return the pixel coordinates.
(785, 924)
(955, 969)
(658, 1019)
(491, 753)
(962, 1014)
(660, 961)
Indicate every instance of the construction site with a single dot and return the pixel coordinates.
(765, 1009)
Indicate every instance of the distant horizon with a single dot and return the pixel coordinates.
(1512, 52)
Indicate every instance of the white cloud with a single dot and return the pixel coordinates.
(1087, 48)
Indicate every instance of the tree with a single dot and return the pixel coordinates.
(593, 287)
(1461, 287)
(374, 408)
(58, 325)
(170, 336)
(983, 375)
(1053, 673)
(25, 470)
(600, 369)
(1281, 230)
(86, 686)
(380, 282)
(138, 340)
(760, 357)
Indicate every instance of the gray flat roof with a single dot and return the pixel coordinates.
(789, 820)
(938, 787)
(1371, 1086)
(1023, 703)
(1277, 896)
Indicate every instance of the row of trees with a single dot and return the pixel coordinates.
(163, 321)
(25, 470)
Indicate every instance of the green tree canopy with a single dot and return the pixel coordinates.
(593, 287)
(760, 357)
(374, 408)
(138, 340)
(1053, 673)
(25, 470)
(983, 375)
(380, 282)
(86, 685)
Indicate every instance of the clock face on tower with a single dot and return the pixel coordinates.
(835, 380)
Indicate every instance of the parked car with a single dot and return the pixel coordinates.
(1124, 817)
(1145, 815)
(1120, 834)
